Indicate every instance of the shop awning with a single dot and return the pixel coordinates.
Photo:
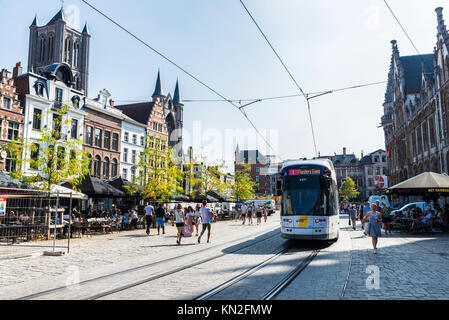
(94, 187)
(425, 184)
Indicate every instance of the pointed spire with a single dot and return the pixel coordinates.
(177, 96)
(60, 16)
(86, 29)
(158, 89)
(35, 22)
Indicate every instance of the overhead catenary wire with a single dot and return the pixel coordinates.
(271, 98)
(288, 71)
(405, 32)
(183, 70)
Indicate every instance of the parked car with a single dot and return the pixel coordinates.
(422, 205)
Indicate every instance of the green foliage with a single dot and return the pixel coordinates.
(55, 158)
(348, 189)
(243, 186)
(160, 176)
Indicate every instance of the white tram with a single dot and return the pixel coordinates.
(309, 207)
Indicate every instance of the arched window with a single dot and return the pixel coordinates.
(97, 167)
(90, 163)
(51, 47)
(76, 55)
(114, 168)
(106, 168)
(41, 49)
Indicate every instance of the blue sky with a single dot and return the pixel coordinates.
(326, 44)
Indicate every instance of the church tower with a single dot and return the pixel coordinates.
(57, 43)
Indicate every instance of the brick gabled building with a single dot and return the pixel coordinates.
(11, 114)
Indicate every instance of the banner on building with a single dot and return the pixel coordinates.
(2, 207)
(381, 182)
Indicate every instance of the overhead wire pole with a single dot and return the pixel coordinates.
(288, 71)
(183, 70)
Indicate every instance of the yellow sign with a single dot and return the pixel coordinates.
(303, 222)
(438, 190)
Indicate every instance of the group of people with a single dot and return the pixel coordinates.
(249, 211)
(186, 220)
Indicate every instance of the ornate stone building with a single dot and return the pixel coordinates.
(416, 110)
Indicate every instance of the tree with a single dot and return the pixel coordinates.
(243, 186)
(53, 158)
(348, 189)
(160, 176)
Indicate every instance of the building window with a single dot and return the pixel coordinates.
(98, 135)
(97, 167)
(155, 126)
(142, 141)
(13, 130)
(126, 137)
(57, 125)
(370, 182)
(74, 130)
(384, 159)
(432, 132)
(106, 168)
(10, 163)
(376, 159)
(125, 174)
(159, 127)
(34, 156)
(115, 141)
(134, 139)
(133, 175)
(58, 97)
(37, 119)
(125, 155)
(6, 103)
(257, 169)
(114, 168)
(378, 171)
(107, 140)
(425, 136)
(89, 135)
(257, 179)
(370, 171)
(134, 156)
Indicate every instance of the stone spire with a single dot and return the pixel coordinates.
(86, 29)
(35, 22)
(390, 92)
(177, 97)
(60, 16)
(158, 90)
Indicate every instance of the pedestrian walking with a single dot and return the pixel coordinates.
(259, 215)
(366, 209)
(373, 220)
(206, 218)
(190, 215)
(265, 214)
(386, 218)
(250, 214)
(160, 217)
(179, 218)
(197, 218)
(353, 216)
(244, 212)
(149, 217)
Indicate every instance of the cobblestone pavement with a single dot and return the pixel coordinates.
(409, 266)
(102, 255)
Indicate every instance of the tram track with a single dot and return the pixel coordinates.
(277, 288)
(161, 275)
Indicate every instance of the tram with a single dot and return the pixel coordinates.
(309, 206)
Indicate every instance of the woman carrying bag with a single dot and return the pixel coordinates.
(373, 220)
(179, 219)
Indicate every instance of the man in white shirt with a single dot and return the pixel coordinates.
(149, 216)
(244, 211)
(206, 218)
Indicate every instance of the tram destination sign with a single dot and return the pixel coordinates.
(303, 172)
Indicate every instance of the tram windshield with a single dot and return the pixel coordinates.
(306, 193)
